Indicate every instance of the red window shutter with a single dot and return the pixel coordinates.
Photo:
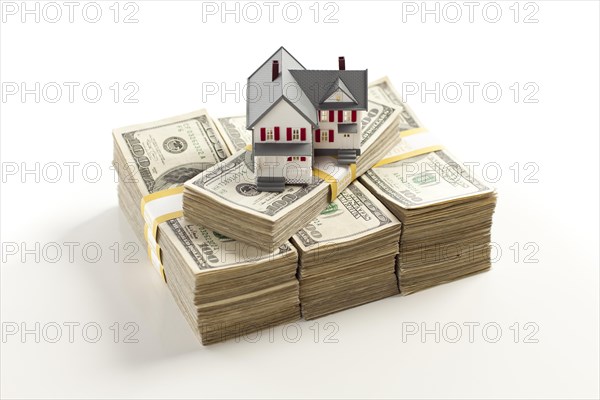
(289, 134)
(331, 135)
(289, 158)
(263, 134)
(331, 116)
(303, 134)
(317, 135)
(353, 115)
(340, 116)
(302, 158)
(276, 133)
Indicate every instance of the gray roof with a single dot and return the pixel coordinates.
(318, 85)
(305, 90)
(263, 93)
(282, 149)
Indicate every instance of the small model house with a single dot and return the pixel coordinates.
(296, 114)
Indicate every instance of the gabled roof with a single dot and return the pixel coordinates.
(305, 90)
(263, 92)
(316, 84)
(341, 86)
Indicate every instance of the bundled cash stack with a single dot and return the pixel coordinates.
(224, 288)
(446, 218)
(446, 212)
(347, 254)
(272, 218)
(415, 218)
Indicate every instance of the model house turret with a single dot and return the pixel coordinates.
(296, 114)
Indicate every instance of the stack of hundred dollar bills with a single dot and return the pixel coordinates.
(446, 218)
(347, 254)
(446, 212)
(227, 287)
(224, 288)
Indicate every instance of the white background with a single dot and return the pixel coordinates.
(170, 53)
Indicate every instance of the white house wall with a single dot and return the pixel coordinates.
(295, 172)
(282, 115)
(339, 142)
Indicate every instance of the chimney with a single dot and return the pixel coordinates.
(342, 63)
(275, 70)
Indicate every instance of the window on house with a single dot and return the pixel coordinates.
(296, 158)
(346, 116)
(324, 116)
(324, 136)
(269, 134)
(296, 134)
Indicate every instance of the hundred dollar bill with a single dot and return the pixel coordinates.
(167, 153)
(354, 215)
(383, 90)
(423, 180)
(234, 132)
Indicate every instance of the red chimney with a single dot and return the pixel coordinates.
(275, 70)
(342, 63)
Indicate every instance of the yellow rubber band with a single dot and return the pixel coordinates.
(333, 183)
(159, 195)
(412, 131)
(162, 269)
(157, 221)
(156, 251)
(410, 154)
(329, 179)
(163, 218)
